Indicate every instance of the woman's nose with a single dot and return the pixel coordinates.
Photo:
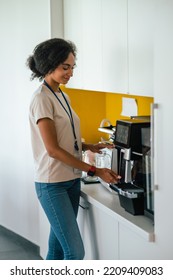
(70, 72)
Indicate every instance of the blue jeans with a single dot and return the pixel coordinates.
(60, 202)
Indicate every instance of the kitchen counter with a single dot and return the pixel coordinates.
(99, 196)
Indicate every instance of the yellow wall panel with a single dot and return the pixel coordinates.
(91, 109)
(114, 105)
(93, 106)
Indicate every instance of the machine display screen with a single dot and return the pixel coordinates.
(122, 133)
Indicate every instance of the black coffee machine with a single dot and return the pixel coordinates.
(131, 159)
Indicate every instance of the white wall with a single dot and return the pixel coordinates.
(23, 25)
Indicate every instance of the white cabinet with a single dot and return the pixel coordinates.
(133, 247)
(99, 29)
(107, 235)
(82, 25)
(92, 45)
(99, 233)
(114, 46)
(141, 20)
(73, 31)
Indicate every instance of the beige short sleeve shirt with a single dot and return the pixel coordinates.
(45, 105)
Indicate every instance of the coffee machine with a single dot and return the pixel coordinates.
(131, 158)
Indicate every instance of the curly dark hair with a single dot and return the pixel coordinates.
(48, 55)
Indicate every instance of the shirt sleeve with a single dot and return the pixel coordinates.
(42, 107)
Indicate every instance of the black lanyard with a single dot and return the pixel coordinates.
(68, 113)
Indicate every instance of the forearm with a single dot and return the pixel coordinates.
(97, 148)
(68, 159)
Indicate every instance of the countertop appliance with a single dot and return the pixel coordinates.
(132, 160)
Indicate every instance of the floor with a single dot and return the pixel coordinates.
(15, 247)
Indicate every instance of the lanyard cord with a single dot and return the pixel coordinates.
(68, 113)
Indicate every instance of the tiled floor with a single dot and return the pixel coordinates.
(14, 247)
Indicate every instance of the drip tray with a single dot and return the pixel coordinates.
(131, 197)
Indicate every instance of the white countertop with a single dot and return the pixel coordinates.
(108, 202)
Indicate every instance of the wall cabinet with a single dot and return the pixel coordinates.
(115, 44)
(99, 29)
(141, 46)
(92, 41)
(73, 31)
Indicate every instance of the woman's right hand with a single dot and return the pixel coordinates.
(107, 175)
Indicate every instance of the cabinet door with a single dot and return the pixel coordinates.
(85, 229)
(114, 45)
(82, 25)
(99, 29)
(100, 234)
(73, 31)
(92, 44)
(134, 247)
(141, 46)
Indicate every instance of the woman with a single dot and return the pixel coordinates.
(57, 147)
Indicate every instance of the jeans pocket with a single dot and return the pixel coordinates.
(38, 189)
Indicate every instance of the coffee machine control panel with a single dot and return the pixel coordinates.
(130, 134)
